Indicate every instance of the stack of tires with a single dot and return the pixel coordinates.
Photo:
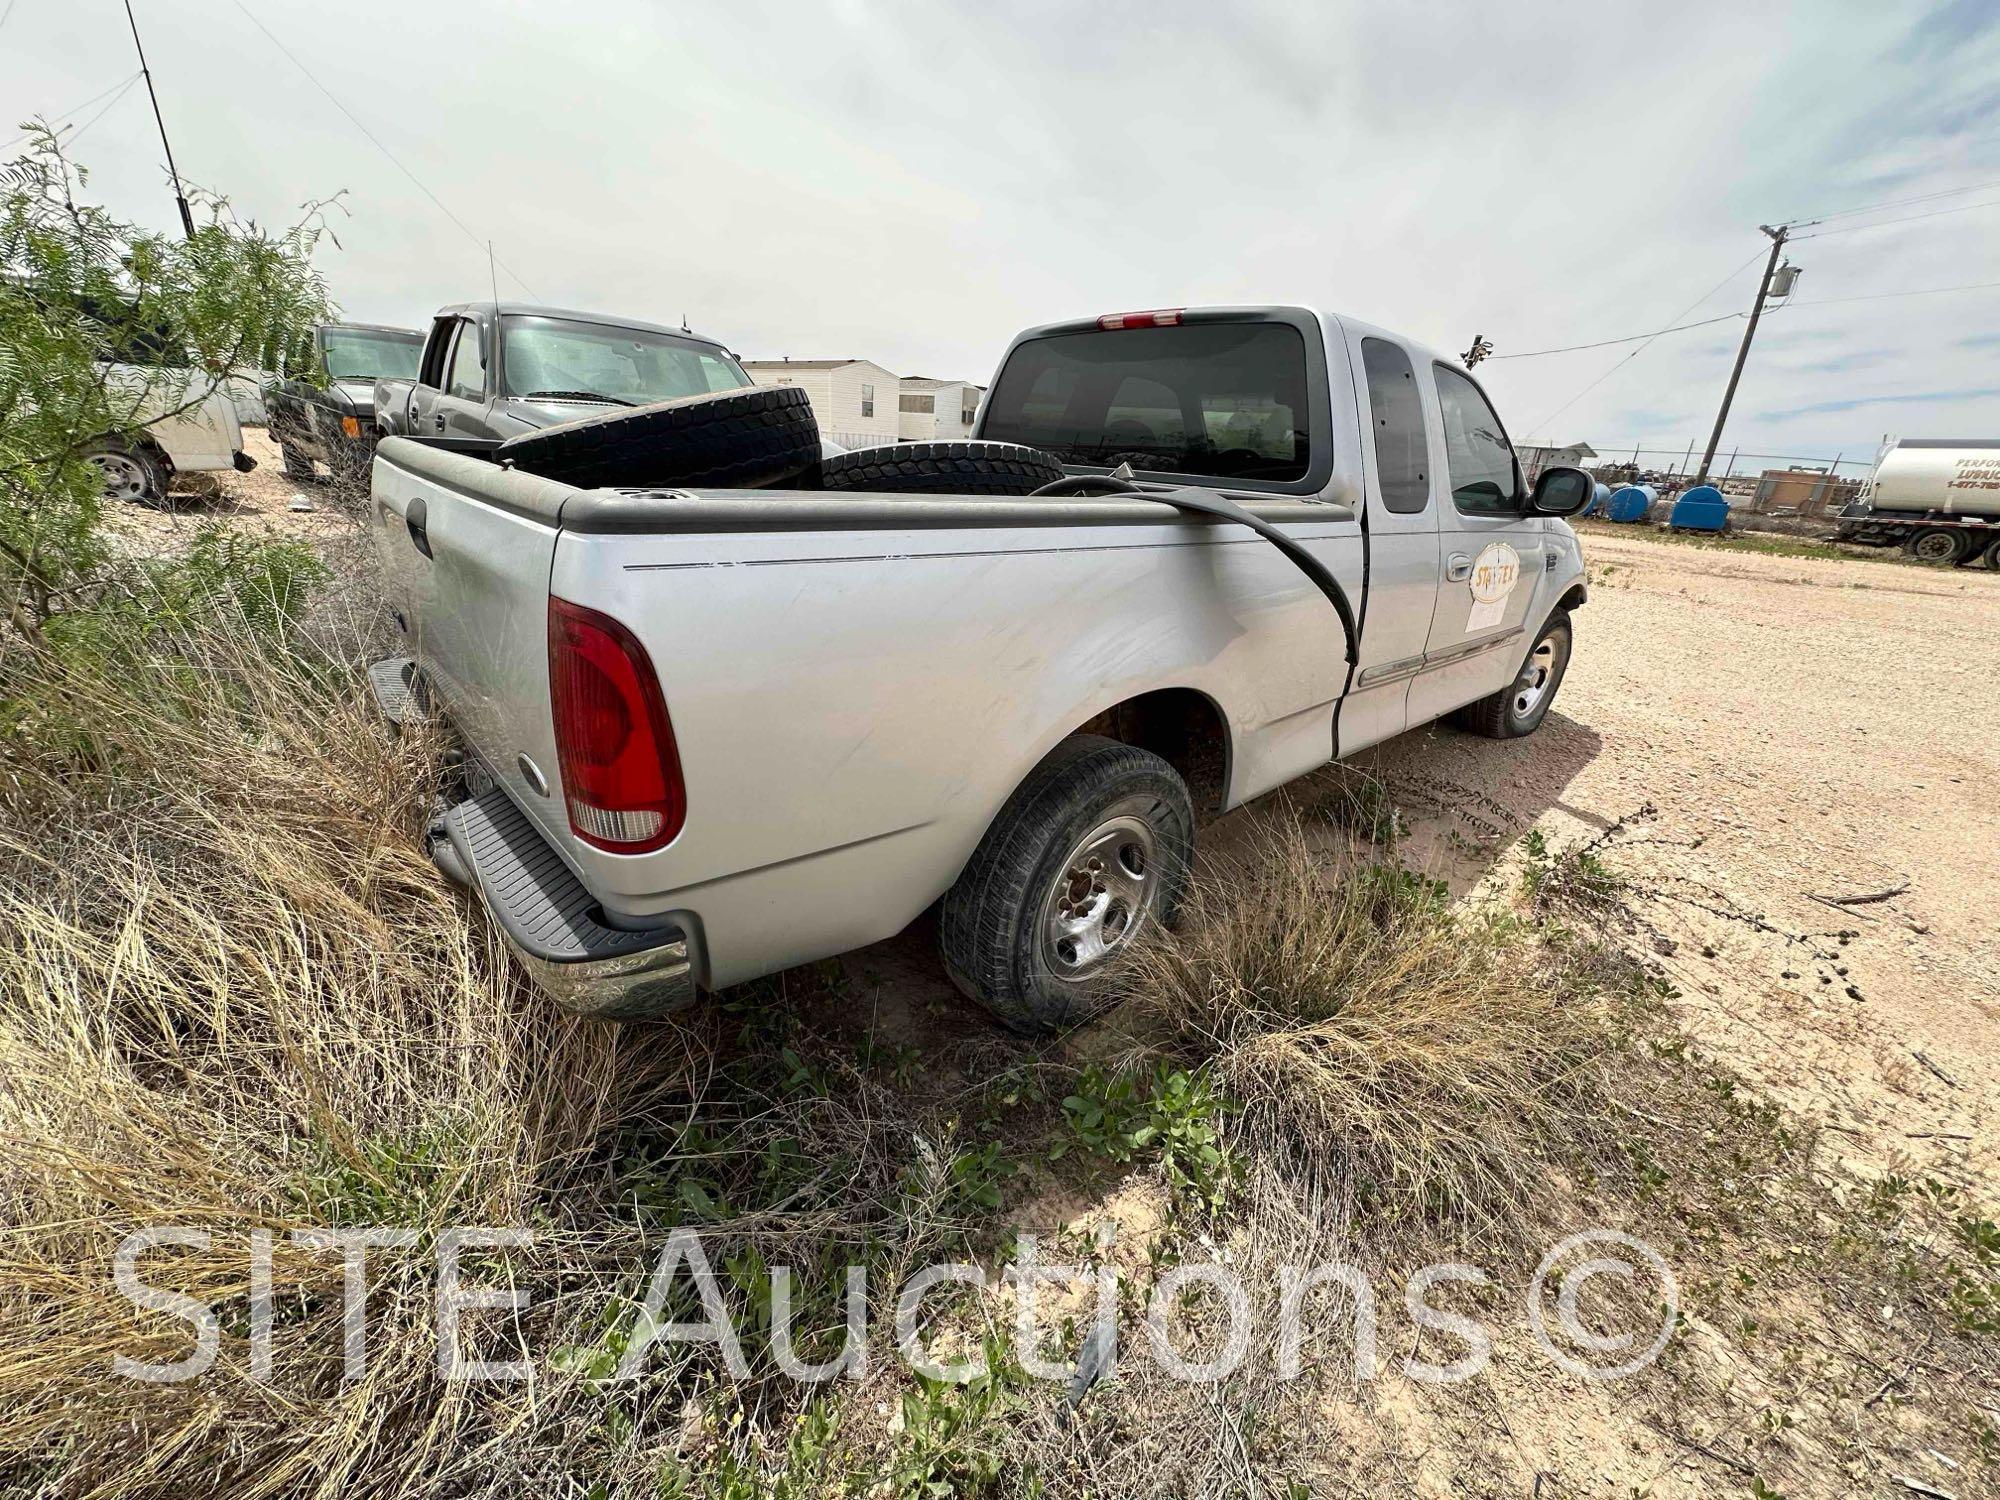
(761, 437)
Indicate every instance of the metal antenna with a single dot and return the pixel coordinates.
(493, 278)
(180, 198)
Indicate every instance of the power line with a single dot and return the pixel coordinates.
(1607, 343)
(1936, 213)
(77, 134)
(117, 88)
(1927, 291)
(1848, 213)
(1546, 422)
(376, 141)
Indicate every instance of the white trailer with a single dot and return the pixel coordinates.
(1936, 498)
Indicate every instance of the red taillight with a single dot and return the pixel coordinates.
(621, 771)
(1166, 317)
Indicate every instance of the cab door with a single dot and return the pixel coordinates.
(462, 408)
(426, 420)
(1493, 554)
(1402, 499)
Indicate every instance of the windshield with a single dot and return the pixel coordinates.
(365, 354)
(1225, 400)
(556, 358)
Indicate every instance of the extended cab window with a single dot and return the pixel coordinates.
(1477, 453)
(560, 359)
(1402, 452)
(468, 363)
(1221, 400)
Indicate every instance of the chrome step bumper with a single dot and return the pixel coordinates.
(553, 923)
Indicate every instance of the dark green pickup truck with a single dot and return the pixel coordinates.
(324, 411)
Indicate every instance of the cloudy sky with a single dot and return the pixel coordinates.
(914, 182)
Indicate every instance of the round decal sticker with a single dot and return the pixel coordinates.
(1494, 573)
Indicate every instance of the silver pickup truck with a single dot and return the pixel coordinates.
(715, 733)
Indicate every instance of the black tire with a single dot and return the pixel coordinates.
(131, 472)
(994, 925)
(1990, 558)
(1501, 715)
(758, 435)
(1937, 544)
(297, 465)
(956, 468)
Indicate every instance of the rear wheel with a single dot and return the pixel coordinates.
(1937, 544)
(1088, 856)
(1519, 708)
(129, 473)
(1990, 558)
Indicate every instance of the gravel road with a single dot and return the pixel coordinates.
(1802, 727)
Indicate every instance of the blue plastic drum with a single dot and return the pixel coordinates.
(1700, 509)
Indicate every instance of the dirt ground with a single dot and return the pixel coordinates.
(1804, 728)
(260, 503)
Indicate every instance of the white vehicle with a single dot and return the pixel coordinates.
(1936, 498)
(716, 733)
(185, 427)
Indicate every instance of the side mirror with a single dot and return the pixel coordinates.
(1562, 491)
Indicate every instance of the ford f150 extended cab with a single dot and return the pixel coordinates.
(716, 733)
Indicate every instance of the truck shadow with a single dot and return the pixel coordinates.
(1440, 802)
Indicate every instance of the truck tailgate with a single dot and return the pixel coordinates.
(466, 549)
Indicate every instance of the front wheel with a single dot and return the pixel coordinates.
(1089, 855)
(129, 472)
(1519, 708)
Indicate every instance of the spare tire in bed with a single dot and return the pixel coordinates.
(960, 468)
(756, 435)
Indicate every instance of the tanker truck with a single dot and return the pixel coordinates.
(1936, 498)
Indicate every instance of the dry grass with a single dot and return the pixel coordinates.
(234, 994)
(1379, 1041)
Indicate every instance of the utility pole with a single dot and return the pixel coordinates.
(1757, 311)
(180, 198)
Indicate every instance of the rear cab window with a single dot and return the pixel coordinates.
(1217, 400)
(1402, 449)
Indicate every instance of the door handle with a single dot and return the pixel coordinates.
(439, 419)
(417, 518)
(1458, 567)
